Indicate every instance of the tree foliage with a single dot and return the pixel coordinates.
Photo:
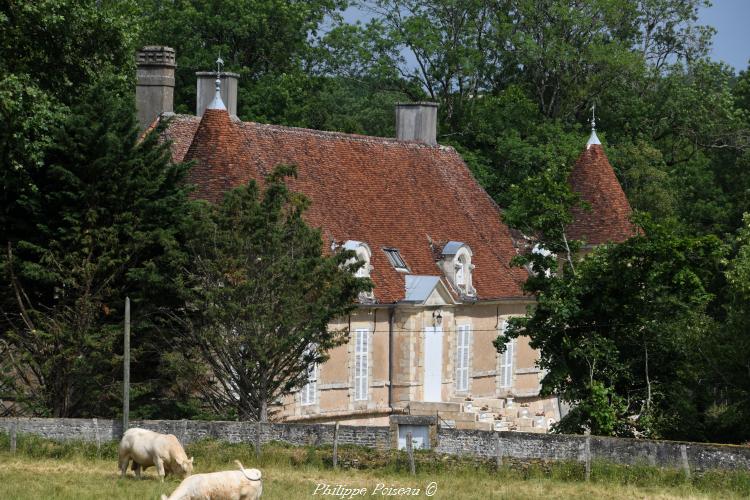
(263, 296)
(102, 222)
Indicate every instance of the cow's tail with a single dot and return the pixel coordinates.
(252, 474)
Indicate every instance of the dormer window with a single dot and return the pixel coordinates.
(456, 264)
(363, 254)
(461, 271)
(394, 257)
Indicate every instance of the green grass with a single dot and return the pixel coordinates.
(43, 469)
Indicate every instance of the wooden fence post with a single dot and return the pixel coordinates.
(336, 445)
(13, 428)
(498, 451)
(587, 454)
(685, 463)
(410, 452)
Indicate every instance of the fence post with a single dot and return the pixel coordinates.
(587, 454)
(410, 452)
(498, 451)
(126, 370)
(13, 428)
(685, 463)
(257, 440)
(98, 439)
(336, 445)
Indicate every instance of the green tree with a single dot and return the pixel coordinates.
(617, 337)
(263, 296)
(102, 221)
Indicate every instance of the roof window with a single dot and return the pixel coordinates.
(394, 257)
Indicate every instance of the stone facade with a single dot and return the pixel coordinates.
(396, 365)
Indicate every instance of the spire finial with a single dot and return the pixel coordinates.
(593, 117)
(217, 103)
(593, 139)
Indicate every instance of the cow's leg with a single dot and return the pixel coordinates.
(160, 468)
(137, 469)
(123, 463)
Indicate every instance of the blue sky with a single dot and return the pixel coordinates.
(732, 20)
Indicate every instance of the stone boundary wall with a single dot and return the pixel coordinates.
(187, 431)
(483, 444)
(699, 456)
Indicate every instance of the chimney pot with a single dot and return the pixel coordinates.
(206, 90)
(154, 92)
(417, 121)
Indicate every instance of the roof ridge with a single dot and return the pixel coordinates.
(331, 133)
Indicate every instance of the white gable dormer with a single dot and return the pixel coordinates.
(363, 254)
(457, 266)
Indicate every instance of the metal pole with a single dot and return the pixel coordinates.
(126, 370)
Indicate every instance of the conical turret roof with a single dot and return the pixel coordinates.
(608, 217)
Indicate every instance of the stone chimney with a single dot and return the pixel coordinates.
(206, 88)
(154, 92)
(417, 121)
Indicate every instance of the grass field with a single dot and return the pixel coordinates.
(42, 469)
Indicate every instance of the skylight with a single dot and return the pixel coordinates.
(394, 257)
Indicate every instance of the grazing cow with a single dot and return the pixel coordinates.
(149, 448)
(243, 484)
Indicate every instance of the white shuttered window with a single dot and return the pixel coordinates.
(361, 361)
(307, 396)
(462, 357)
(506, 362)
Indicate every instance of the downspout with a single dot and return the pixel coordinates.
(391, 334)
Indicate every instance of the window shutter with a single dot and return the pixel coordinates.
(462, 357)
(307, 396)
(361, 357)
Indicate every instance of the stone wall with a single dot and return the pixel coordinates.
(617, 450)
(188, 431)
(484, 444)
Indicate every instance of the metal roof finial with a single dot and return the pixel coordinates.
(593, 117)
(593, 139)
(217, 103)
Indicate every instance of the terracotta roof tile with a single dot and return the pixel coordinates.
(608, 219)
(384, 192)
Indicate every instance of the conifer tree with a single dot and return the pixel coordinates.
(102, 222)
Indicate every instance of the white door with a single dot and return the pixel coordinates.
(433, 363)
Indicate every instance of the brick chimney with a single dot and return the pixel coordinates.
(417, 121)
(154, 92)
(206, 88)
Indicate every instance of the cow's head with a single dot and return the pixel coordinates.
(186, 466)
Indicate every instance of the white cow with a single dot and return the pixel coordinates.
(227, 485)
(148, 448)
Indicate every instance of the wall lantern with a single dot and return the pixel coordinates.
(437, 317)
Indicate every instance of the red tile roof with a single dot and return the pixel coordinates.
(384, 192)
(608, 219)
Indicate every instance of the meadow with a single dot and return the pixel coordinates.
(44, 469)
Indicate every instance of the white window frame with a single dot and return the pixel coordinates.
(463, 346)
(507, 360)
(361, 364)
(308, 394)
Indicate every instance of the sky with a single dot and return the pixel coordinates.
(732, 20)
